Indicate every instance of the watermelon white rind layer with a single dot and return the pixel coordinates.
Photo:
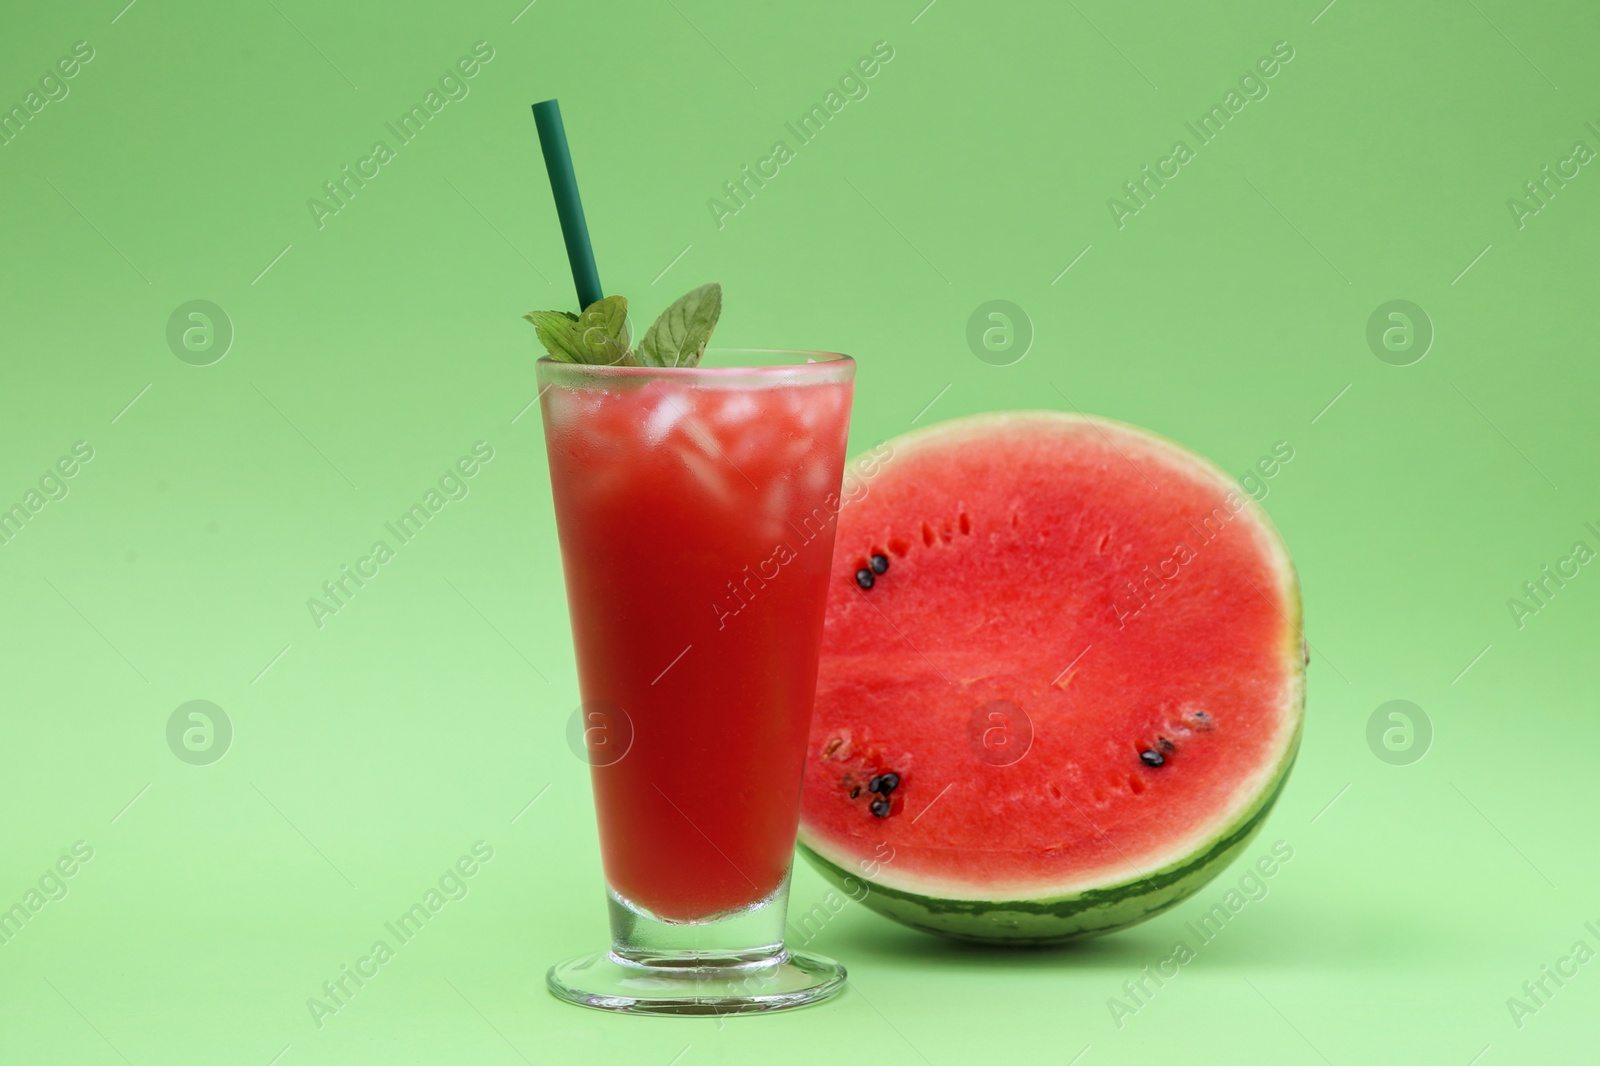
(1106, 898)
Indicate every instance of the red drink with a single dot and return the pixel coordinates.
(696, 514)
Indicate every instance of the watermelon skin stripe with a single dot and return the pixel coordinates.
(1056, 921)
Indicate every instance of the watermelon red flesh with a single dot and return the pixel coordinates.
(1017, 547)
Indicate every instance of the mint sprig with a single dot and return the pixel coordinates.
(600, 335)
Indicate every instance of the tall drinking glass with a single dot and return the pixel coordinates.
(696, 508)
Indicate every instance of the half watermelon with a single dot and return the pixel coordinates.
(1062, 679)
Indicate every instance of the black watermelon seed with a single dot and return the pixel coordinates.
(873, 785)
(888, 783)
(879, 563)
(1151, 758)
(880, 807)
(854, 792)
(864, 578)
(1166, 745)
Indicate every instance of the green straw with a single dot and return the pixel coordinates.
(564, 185)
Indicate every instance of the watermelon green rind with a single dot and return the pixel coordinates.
(1063, 919)
(1076, 911)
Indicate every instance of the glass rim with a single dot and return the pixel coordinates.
(806, 367)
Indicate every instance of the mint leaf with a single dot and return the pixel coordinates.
(603, 332)
(679, 337)
(558, 332)
(599, 336)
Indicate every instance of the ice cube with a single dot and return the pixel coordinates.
(738, 408)
(713, 478)
(816, 477)
(794, 449)
(778, 500)
(755, 445)
(667, 413)
(562, 407)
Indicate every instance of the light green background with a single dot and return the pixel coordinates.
(427, 715)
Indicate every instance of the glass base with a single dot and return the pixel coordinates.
(607, 982)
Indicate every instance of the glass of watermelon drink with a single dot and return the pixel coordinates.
(696, 511)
